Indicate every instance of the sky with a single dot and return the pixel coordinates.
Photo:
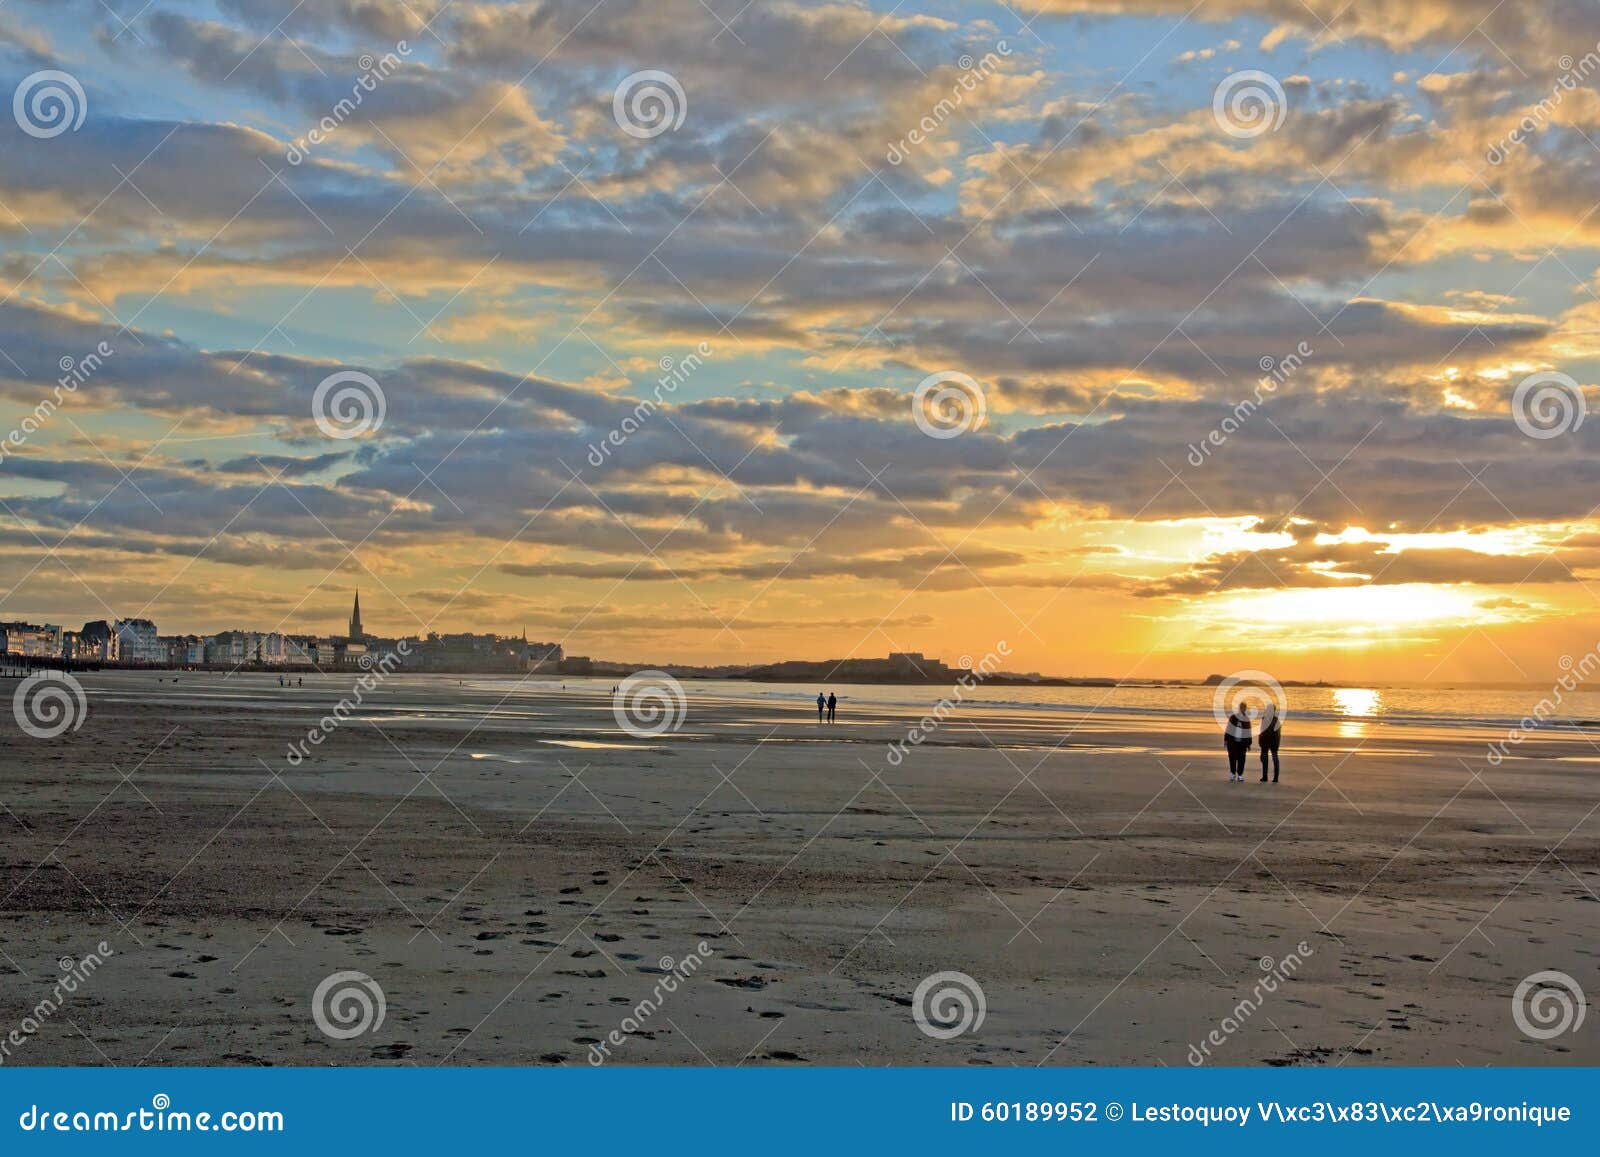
(1147, 338)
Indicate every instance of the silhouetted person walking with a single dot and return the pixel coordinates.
(822, 706)
(833, 703)
(1271, 736)
(1236, 738)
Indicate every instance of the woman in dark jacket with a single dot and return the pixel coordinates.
(1271, 736)
(1236, 738)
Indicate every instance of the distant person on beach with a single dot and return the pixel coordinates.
(1271, 735)
(822, 706)
(1236, 738)
(833, 702)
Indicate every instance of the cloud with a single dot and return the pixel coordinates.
(1118, 274)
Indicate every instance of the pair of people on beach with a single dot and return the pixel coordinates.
(826, 705)
(1236, 739)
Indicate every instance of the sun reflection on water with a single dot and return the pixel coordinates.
(1357, 706)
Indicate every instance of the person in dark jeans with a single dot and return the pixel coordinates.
(822, 706)
(1271, 736)
(833, 702)
(1236, 738)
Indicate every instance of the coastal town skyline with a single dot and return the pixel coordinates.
(136, 641)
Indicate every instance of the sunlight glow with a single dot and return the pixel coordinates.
(1358, 701)
(1348, 617)
(1357, 705)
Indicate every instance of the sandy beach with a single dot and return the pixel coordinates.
(516, 873)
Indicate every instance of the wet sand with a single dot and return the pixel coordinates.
(518, 875)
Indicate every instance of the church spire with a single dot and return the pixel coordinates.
(355, 619)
